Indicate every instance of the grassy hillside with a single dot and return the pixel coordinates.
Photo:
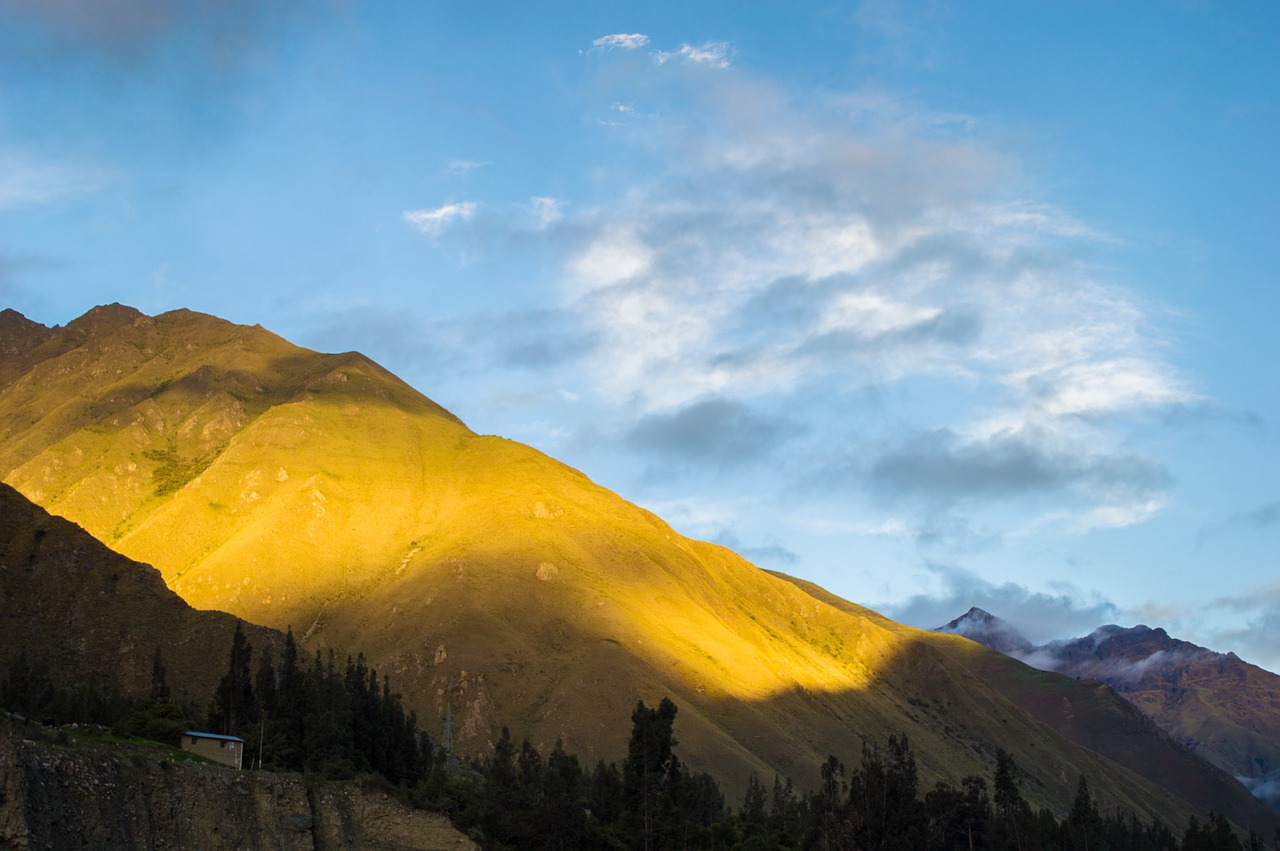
(319, 491)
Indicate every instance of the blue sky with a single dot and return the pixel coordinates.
(936, 304)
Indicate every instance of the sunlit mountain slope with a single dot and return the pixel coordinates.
(319, 491)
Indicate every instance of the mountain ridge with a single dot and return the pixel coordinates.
(488, 579)
(1219, 705)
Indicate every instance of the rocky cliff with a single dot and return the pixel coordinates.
(108, 797)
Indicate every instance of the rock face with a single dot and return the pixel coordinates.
(53, 797)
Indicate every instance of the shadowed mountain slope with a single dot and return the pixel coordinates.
(1220, 706)
(319, 491)
(73, 605)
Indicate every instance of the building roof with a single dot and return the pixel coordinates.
(213, 736)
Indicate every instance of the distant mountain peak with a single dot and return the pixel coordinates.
(1217, 703)
(985, 628)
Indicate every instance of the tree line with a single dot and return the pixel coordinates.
(315, 717)
(519, 799)
(340, 722)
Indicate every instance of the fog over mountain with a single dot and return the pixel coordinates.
(1226, 709)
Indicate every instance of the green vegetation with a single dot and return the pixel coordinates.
(519, 799)
(172, 471)
(30, 692)
(318, 719)
(346, 724)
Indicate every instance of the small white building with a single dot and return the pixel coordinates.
(228, 750)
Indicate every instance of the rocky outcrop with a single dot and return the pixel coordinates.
(102, 797)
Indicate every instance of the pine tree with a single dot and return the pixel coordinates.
(753, 802)
(233, 702)
(563, 786)
(1084, 824)
(1013, 814)
(651, 770)
(501, 790)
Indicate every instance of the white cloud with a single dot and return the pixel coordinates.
(611, 257)
(29, 180)
(870, 314)
(546, 211)
(625, 41)
(1118, 516)
(462, 167)
(848, 243)
(1108, 385)
(432, 221)
(711, 53)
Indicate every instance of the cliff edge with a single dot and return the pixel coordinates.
(104, 797)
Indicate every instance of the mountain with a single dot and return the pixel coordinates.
(79, 609)
(989, 631)
(488, 580)
(1220, 706)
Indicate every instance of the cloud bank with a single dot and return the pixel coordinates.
(801, 254)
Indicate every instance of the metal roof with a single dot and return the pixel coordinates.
(213, 736)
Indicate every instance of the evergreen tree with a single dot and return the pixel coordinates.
(233, 701)
(1012, 824)
(651, 771)
(784, 808)
(1083, 829)
(501, 790)
(607, 799)
(958, 818)
(565, 805)
(829, 808)
(753, 804)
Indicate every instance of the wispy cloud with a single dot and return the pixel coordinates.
(714, 54)
(625, 41)
(546, 211)
(434, 220)
(808, 251)
(26, 179)
(464, 167)
(1261, 517)
(1255, 519)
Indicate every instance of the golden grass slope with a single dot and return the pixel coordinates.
(319, 491)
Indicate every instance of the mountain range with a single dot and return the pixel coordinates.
(497, 585)
(1220, 706)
